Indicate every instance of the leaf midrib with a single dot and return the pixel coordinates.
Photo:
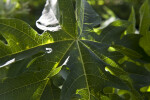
(83, 69)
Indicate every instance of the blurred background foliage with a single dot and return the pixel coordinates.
(27, 10)
(110, 10)
(30, 10)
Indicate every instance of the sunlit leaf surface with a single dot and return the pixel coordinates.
(92, 65)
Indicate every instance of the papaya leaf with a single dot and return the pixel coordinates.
(131, 29)
(21, 88)
(30, 75)
(51, 92)
(90, 58)
(140, 77)
(20, 38)
(144, 26)
(67, 17)
(37, 68)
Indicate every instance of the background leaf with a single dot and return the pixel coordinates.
(144, 26)
(131, 28)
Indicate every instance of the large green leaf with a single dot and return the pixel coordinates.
(144, 26)
(30, 75)
(91, 59)
(89, 55)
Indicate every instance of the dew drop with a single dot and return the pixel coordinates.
(49, 50)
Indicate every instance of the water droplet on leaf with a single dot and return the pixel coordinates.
(49, 50)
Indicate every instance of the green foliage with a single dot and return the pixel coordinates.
(131, 28)
(145, 26)
(9, 8)
(81, 61)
